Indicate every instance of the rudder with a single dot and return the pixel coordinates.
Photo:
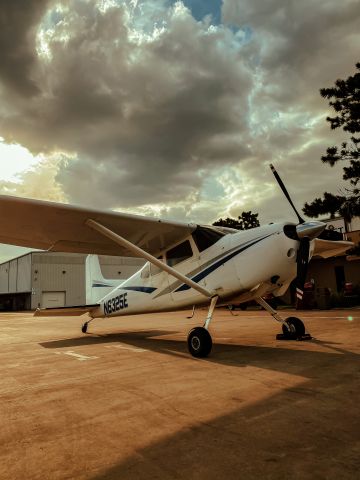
(96, 285)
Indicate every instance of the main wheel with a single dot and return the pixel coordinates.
(296, 326)
(84, 328)
(199, 342)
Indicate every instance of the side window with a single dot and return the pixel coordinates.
(179, 253)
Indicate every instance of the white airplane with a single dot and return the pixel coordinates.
(187, 264)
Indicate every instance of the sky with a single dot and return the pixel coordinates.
(171, 108)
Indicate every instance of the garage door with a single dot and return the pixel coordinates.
(52, 299)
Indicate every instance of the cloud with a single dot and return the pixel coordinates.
(157, 112)
(38, 182)
(303, 45)
(143, 112)
(18, 25)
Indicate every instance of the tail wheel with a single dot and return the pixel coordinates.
(296, 328)
(199, 342)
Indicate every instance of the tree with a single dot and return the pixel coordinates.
(245, 221)
(320, 206)
(345, 100)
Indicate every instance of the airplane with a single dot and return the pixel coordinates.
(186, 264)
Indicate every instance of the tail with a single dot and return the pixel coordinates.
(96, 285)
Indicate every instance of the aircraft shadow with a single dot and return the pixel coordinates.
(132, 338)
(290, 360)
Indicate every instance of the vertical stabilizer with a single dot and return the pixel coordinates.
(96, 285)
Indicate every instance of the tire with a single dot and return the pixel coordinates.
(84, 328)
(297, 328)
(199, 342)
(243, 306)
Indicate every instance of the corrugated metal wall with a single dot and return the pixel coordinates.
(15, 284)
(15, 276)
(13, 269)
(24, 274)
(4, 277)
(56, 272)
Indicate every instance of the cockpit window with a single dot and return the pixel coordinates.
(205, 237)
(179, 253)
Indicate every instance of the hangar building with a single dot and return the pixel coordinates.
(51, 279)
(335, 272)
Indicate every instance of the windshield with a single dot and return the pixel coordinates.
(205, 237)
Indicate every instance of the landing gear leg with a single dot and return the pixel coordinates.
(84, 327)
(293, 328)
(192, 313)
(199, 339)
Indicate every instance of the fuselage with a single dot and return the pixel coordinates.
(233, 264)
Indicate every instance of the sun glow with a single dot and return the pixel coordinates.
(14, 159)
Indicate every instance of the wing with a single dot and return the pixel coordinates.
(61, 228)
(330, 248)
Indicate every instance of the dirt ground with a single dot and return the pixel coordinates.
(127, 401)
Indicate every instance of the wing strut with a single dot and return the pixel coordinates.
(139, 252)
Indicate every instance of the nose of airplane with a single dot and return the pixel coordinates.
(310, 230)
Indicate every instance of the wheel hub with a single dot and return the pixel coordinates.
(195, 343)
(292, 328)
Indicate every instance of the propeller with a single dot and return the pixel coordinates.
(283, 188)
(304, 232)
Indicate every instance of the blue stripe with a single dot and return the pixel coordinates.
(140, 289)
(218, 264)
(95, 285)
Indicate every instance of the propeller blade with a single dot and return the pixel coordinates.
(285, 192)
(302, 262)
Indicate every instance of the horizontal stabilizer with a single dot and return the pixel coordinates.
(330, 248)
(65, 311)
